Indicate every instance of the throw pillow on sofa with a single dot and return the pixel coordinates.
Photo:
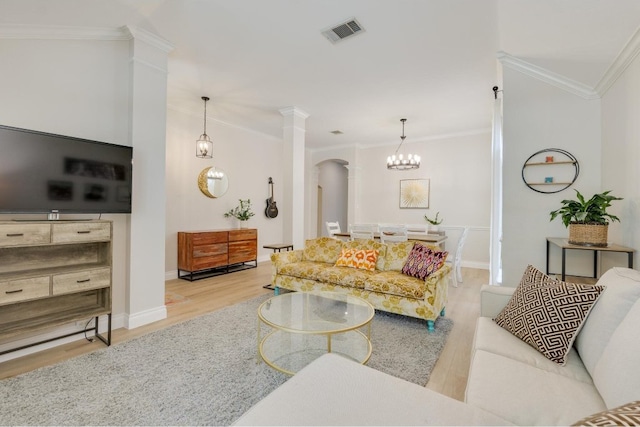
(423, 261)
(547, 314)
(363, 259)
(625, 415)
(366, 245)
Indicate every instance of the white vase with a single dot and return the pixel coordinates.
(243, 224)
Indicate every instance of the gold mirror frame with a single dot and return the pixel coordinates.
(213, 187)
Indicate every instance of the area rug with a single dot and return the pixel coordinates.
(201, 372)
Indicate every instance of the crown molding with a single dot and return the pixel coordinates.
(223, 123)
(147, 37)
(620, 64)
(62, 32)
(59, 32)
(549, 77)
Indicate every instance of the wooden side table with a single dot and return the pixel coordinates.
(279, 246)
(564, 245)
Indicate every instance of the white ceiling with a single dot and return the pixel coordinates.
(431, 61)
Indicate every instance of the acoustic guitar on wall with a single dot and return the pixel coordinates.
(272, 210)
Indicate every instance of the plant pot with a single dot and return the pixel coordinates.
(243, 224)
(588, 234)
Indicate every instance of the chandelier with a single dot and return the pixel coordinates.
(204, 145)
(398, 162)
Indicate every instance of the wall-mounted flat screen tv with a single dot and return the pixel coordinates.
(43, 173)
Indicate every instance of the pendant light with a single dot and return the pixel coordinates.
(204, 145)
(398, 162)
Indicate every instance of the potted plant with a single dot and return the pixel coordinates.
(434, 222)
(588, 220)
(242, 212)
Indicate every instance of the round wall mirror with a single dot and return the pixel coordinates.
(213, 182)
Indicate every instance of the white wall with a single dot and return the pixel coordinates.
(621, 159)
(248, 158)
(459, 172)
(538, 116)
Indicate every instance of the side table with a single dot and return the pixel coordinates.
(279, 246)
(564, 245)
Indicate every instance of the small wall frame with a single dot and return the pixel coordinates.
(414, 193)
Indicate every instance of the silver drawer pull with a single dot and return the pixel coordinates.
(15, 234)
(13, 292)
(83, 281)
(84, 232)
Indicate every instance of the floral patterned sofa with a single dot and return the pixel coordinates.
(314, 269)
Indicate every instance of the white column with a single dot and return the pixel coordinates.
(353, 195)
(294, 174)
(147, 129)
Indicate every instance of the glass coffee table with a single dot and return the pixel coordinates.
(303, 326)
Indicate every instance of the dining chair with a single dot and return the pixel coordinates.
(333, 228)
(456, 273)
(393, 233)
(420, 229)
(362, 231)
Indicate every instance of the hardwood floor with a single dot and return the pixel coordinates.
(192, 299)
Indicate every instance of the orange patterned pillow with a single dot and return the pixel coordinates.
(364, 259)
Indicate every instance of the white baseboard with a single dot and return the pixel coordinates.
(145, 317)
(475, 264)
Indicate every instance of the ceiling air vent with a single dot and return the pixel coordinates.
(349, 28)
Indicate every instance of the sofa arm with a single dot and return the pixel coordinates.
(280, 259)
(438, 278)
(493, 299)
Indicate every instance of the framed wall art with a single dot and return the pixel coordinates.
(414, 193)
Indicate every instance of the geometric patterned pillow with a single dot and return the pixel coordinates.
(422, 261)
(547, 314)
(625, 415)
(368, 244)
(364, 259)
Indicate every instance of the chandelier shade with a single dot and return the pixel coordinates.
(398, 161)
(204, 145)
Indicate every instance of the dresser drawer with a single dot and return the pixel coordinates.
(24, 289)
(242, 251)
(24, 234)
(81, 232)
(82, 280)
(243, 234)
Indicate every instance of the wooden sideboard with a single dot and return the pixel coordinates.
(212, 252)
(51, 274)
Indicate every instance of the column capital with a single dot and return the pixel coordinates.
(294, 111)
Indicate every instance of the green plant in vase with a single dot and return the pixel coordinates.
(588, 220)
(242, 212)
(435, 222)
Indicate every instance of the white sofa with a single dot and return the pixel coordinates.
(509, 381)
(333, 390)
(514, 381)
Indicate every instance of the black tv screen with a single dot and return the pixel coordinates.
(42, 173)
